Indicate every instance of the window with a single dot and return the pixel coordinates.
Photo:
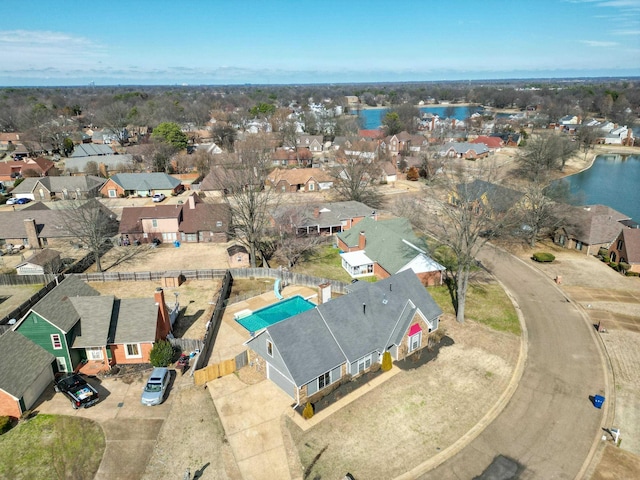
(619, 247)
(132, 350)
(415, 341)
(270, 348)
(61, 362)
(364, 363)
(219, 223)
(324, 380)
(94, 353)
(154, 223)
(312, 186)
(56, 341)
(113, 194)
(579, 246)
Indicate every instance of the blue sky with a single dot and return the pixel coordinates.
(166, 42)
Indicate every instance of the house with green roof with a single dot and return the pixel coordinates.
(385, 247)
(87, 332)
(26, 370)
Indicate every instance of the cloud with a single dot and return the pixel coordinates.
(599, 43)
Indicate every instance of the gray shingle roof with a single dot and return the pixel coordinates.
(57, 308)
(598, 224)
(332, 214)
(41, 257)
(136, 320)
(89, 149)
(110, 161)
(146, 181)
(341, 330)
(58, 184)
(21, 362)
(95, 314)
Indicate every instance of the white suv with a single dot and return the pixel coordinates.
(158, 197)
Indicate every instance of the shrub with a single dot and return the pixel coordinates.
(6, 423)
(613, 265)
(632, 274)
(603, 252)
(161, 354)
(624, 267)
(307, 413)
(387, 364)
(543, 257)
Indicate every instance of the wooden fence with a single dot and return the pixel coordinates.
(19, 280)
(24, 308)
(217, 370)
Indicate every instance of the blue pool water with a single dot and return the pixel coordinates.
(275, 313)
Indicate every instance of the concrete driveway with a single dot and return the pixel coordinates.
(549, 428)
(250, 415)
(130, 428)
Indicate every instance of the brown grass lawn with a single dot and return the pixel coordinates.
(11, 297)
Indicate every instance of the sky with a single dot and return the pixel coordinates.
(217, 42)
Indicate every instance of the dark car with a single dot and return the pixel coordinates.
(76, 388)
(22, 201)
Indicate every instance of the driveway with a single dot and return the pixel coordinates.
(550, 428)
(250, 415)
(130, 428)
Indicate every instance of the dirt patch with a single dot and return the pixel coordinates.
(192, 437)
(194, 296)
(474, 371)
(617, 464)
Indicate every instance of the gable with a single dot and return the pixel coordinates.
(21, 362)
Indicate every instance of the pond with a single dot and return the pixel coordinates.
(371, 118)
(612, 180)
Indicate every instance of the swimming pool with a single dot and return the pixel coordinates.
(275, 313)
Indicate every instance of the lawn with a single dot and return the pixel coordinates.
(487, 303)
(324, 262)
(51, 446)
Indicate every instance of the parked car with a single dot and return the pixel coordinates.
(18, 201)
(156, 387)
(76, 388)
(158, 197)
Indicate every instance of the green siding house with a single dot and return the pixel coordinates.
(53, 322)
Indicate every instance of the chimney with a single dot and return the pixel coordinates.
(192, 202)
(32, 233)
(316, 212)
(163, 327)
(361, 241)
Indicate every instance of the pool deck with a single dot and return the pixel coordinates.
(232, 335)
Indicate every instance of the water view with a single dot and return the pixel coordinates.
(612, 180)
(372, 117)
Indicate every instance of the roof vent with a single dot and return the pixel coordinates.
(364, 308)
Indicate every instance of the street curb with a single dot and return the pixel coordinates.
(493, 412)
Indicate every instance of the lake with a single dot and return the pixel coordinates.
(612, 180)
(372, 117)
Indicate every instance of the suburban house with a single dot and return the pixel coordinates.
(312, 142)
(386, 247)
(26, 167)
(492, 143)
(193, 222)
(299, 180)
(44, 261)
(389, 173)
(491, 199)
(26, 370)
(91, 150)
(59, 188)
(89, 333)
(626, 248)
(324, 218)
(470, 151)
(346, 336)
(595, 227)
(509, 139)
(285, 156)
(140, 185)
(37, 226)
(105, 164)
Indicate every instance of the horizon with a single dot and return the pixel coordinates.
(283, 42)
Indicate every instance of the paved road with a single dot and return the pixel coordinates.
(548, 428)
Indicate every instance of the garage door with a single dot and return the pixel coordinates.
(38, 386)
(283, 382)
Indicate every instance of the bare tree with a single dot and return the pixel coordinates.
(115, 117)
(244, 185)
(587, 136)
(93, 225)
(543, 154)
(356, 178)
(292, 246)
(465, 219)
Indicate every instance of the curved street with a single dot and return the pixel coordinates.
(548, 428)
